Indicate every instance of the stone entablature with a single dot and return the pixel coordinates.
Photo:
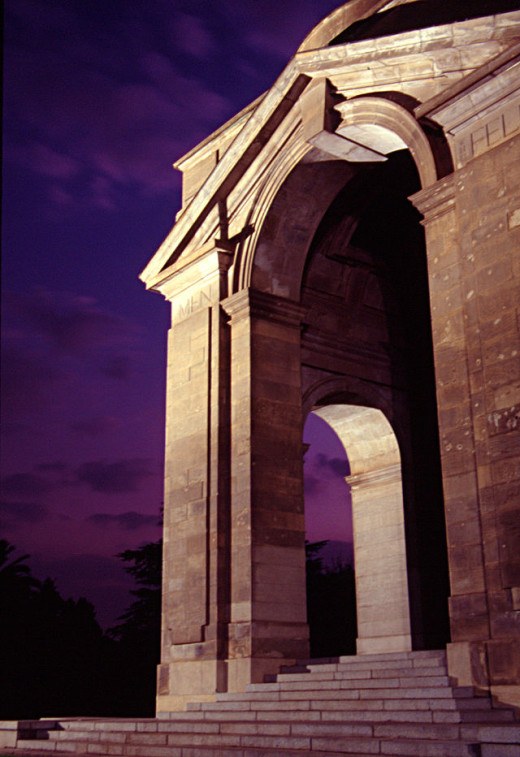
(453, 51)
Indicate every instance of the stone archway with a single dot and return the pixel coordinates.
(383, 616)
(284, 288)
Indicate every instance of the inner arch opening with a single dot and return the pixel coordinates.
(366, 343)
(375, 498)
(331, 600)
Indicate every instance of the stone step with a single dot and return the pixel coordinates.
(462, 700)
(326, 700)
(375, 662)
(268, 746)
(500, 750)
(161, 733)
(201, 752)
(334, 708)
(368, 688)
(338, 671)
(439, 654)
(209, 751)
(365, 679)
(154, 738)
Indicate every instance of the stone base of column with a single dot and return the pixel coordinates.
(246, 670)
(256, 649)
(507, 695)
(259, 648)
(382, 644)
(492, 665)
(186, 681)
(467, 664)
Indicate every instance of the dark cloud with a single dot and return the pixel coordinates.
(25, 485)
(86, 567)
(56, 467)
(98, 130)
(336, 466)
(311, 483)
(98, 426)
(14, 514)
(28, 378)
(320, 468)
(114, 478)
(52, 343)
(75, 324)
(129, 521)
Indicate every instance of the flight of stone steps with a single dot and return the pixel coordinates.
(389, 704)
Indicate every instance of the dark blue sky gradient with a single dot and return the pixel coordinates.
(100, 98)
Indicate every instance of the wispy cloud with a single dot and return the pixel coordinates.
(121, 476)
(25, 485)
(15, 514)
(320, 470)
(73, 323)
(129, 521)
(191, 34)
(52, 342)
(95, 427)
(124, 110)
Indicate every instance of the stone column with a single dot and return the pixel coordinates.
(268, 599)
(449, 297)
(195, 601)
(383, 613)
(472, 222)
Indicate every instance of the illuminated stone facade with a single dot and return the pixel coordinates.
(349, 244)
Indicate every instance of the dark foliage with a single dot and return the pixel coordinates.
(53, 654)
(55, 659)
(138, 634)
(331, 605)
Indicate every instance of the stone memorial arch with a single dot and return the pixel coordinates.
(348, 245)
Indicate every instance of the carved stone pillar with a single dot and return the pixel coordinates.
(450, 299)
(383, 614)
(268, 600)
(195, 601)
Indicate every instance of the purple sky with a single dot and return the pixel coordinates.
(99, 99)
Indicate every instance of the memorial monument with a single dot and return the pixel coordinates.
(349, 245)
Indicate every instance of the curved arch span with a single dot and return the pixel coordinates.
(383, 613)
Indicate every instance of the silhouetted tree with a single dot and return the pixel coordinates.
(138, 634)
(53, 653)
(144, 614)
(331, 605)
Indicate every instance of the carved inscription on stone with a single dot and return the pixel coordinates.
(191, 302)
(487, 133)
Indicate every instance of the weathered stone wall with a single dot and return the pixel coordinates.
(473, 243)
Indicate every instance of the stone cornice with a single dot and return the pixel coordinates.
(436, 200)
(482, 77)
(250, 303)
(206, 265)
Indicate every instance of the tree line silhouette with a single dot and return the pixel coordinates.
(55, 660)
